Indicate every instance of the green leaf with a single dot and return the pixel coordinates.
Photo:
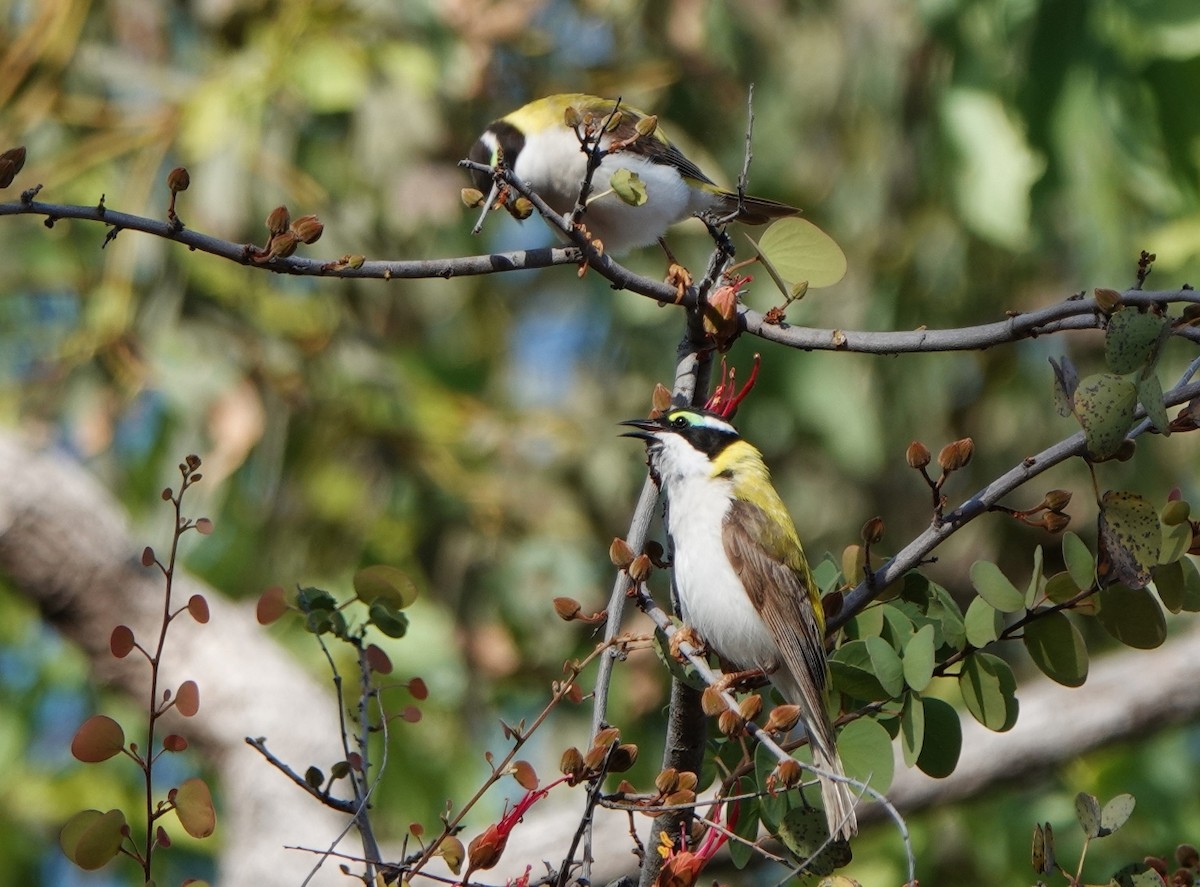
(983, 622)
(1169, 583)
(1056, 647)
(91, 839)
(943, 739)
(867, 623)
(993, 586)
(1105, 406)
(1079, 561)
(912, 729)
(1150, 396)
(919, 659)
(1131, 340)
(1191, 586)
(1176, 540)
(886, 666)
(629, 186)
(1037, 579)
(854, 674)
(194, 807)
(866, 751)
(989, 690)
(1132, 616)
(1116, 813)
(388, 619)
(741, 852)
(804, 832)
(1087, 811)
(1066, 380)
(311, 600)
(384, 583)
(898, 629)
(796, 250)
(1060, 588)
(1130, 534)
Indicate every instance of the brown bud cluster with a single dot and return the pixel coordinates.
(956, 455)
(287, 234)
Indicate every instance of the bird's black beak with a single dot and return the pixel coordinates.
(645, 429)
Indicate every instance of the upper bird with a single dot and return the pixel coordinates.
(541, 148)
(741, 575)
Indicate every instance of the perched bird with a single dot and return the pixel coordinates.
(540, 148)
(742, 579)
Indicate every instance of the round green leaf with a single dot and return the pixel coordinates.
(194, 807)
(91, 839)
(629, 186)
(1061, 587)
(1169, 583)
(983, 622)
(912, 729)
(1037, 579)
(746, 827)
(1087, 811)
(993, 586)
(948, 614)
(989, 690)
(1056, 647)
(388, 619)
(854, 674)
(897, 627)
(386, 583)
(804, 832)
(796, 250)
(866, 751)
(1176, 540)
(1191, 586)
(919, 658)
(1080, 563)
(1132, 616)
(1116, 813)
(943, 739)
(1150, 396)
(1105, 405)
(1131, 340)
(1131, 535)
(866, 623)
(886, 666)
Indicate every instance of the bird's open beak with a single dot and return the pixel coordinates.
(645, 429)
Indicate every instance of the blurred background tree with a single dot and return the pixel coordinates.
(973, 157)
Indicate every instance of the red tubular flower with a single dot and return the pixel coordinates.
(487, 847)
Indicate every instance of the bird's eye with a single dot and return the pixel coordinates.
(679, 422)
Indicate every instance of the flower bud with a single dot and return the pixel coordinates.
(661, 398)
(667, 781)
(178, 180)
(712, 702)
(571, 763)
(646, 126)
(623, 757)
(620, 553)
(571, 117)
(789, 773)
(751, 706)
(956, 455)
(1057, 500)
(1106, 299)
(278, 220)
(639, 570)
(730, 723)
(282, 245)
(521, 208)
(472, 197)
(872, 532)
(308, 228)
(1055, 522)
(782, 718)
(485, 851)
(1175, 512)
(567, 608)
(917, 455)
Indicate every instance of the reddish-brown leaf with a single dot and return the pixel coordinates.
(271, 605)
(97, 739)
(187, 699)
(378, 660)
(121, 642)
(198, 607)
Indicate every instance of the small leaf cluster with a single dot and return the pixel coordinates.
(91, 838)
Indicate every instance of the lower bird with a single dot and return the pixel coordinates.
(741, 575)
(538, 144)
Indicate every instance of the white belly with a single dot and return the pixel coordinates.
(554, 167)
(711, 596)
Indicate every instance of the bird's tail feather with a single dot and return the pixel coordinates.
(836, 796)
(755, 210)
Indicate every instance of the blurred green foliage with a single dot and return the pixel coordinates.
(972, 157)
